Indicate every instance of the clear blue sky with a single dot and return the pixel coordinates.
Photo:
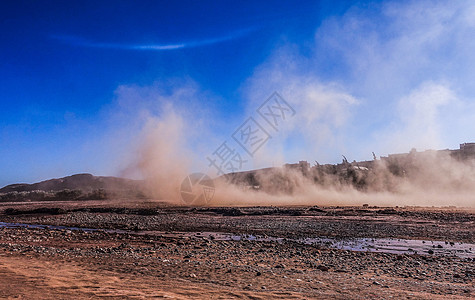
(362, 76)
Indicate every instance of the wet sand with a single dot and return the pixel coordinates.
(149, 249)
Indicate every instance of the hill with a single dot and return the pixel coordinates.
(74, 187)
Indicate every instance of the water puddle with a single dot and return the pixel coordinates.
(399, 246)
(39, 226)
(383, 245)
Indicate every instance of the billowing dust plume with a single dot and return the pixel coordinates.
(430, 178)
(162, 158)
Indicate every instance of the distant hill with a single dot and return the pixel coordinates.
(83, 182)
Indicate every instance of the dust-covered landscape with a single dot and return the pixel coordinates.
(307, 149)
(247, 241)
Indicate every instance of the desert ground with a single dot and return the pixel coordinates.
(119, 250)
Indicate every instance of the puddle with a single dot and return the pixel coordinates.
(39, 226)
(386, 245)
(399, 246)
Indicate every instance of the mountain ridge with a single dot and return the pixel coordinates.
(84, 182)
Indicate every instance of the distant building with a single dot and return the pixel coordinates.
(468, 148)
(302, 165)
(466, 151)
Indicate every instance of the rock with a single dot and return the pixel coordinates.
(323, 268)
(341, 271)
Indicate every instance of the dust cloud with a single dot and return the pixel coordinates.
(162, 158)
(429, 178)
(433, 180)
(395, 94)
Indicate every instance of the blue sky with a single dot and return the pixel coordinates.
(80, 79)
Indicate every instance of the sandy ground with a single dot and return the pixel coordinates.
(166, 252)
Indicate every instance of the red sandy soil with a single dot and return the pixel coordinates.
(73, 264)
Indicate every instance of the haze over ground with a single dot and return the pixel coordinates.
(123, 89)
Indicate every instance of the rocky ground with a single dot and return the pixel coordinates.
(152, 250)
